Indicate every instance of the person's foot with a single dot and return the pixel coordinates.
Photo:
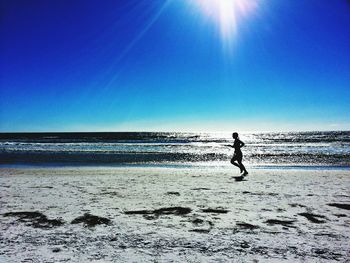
(245, 173)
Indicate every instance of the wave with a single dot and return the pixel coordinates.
(151, 157)
(321, 148)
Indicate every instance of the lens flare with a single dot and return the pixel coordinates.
(227, 14)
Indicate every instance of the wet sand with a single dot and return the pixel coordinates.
(173, 215)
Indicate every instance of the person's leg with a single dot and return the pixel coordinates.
(236, 164)
(242, 166)
(233, 161)
(239, 160)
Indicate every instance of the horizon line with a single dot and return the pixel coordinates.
(243, 132)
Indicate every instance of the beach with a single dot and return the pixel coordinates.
(174, 131)
(169, 214)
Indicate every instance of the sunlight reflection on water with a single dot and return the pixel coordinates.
(317, 148)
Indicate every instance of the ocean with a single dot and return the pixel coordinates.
(287, 149)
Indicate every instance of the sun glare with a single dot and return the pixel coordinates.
(227, 14)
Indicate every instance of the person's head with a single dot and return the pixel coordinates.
(235, 135)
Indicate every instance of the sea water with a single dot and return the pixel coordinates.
(287, 149)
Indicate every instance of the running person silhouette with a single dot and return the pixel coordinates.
(238, 155)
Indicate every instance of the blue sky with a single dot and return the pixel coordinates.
(143, 65)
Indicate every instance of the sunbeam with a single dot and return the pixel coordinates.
(226, 14)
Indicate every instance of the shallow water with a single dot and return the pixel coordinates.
(326, 149)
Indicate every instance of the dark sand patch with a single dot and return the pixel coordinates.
(198, 221)
(296, 205)
(341, 206)
(261, 250)
(346, 196)
(91, 220)
(259, 193)
(116, 194)
(325, 253)
(41, 187)
(266, 209)
(280, 210)
(204, 231)
(139, 212)
(173, 211)
(287, 223)
(200, 188)
(313, 218)
(215, 210)
(173, 193)
(205, 226)
(326, 234)
(244, 244)
(35, 219)
(154, 214)
(340, 215)
(244, 225)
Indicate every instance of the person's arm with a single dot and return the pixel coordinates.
(241, 144)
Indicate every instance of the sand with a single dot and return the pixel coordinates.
(173, 215)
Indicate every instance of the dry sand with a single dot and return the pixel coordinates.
(173, 215)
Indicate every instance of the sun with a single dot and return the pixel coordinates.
(226, 14)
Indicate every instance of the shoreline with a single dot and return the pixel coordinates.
(175, 166)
